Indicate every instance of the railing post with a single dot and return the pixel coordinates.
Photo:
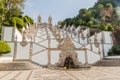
(49, 59)
(15, 49)
(86, 56)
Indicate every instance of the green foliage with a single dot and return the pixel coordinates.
(115, 50)
(14, 12)
(90, 23)
(107, 27)
(102, 15)
(12, 21)
(19, 23)
(28, 19)
(11, 14)
(104, 2)
(4, 48)
(100, 6)
(0, 32)
(81, 22)
(13, 9)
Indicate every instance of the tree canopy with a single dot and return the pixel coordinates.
(102, 15)
(11, 14)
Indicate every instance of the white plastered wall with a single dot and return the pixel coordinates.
(41, 58)
(18, 35)
(92, 57)
(22, 52)
(54, 57)
(7, 33)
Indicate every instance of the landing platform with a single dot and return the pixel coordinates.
(6, 59)
(112, 58)
(7, 64)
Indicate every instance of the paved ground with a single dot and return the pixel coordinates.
(38, 73)
(95, 73)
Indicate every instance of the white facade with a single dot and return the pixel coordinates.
(41, 44)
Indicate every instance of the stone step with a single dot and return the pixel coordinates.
(112, 58)
(17, 65)
(108, 63)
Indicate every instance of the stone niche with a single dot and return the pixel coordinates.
(68, 52)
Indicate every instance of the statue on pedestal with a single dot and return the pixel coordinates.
(50, 20)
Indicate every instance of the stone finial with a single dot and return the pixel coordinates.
(82, 35)
(16, 38)
(50, 20)
(24, 43)
(99, 51)
(23, 38)
(39, 19)
(96, 41)
(74, 32)
(69, 30)
(88, 33)
(64, 27)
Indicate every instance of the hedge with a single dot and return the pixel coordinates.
(4, 48)
(114, 51)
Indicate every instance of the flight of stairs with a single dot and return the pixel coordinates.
(18, 65)
(108, 63)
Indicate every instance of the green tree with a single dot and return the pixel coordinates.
(80, 22)
(85, 14)
(102, 15)
(12, 8)
(100, 6)
(104, 2)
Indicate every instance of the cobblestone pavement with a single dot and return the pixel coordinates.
(95, 73)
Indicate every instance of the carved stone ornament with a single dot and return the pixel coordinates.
(64, 27)
(69, 30)
(65, 54)
(50, 20)
(67, 44)
(96, 41)
(67, 50)
(59, 40)
(75, 33)
(82, 35)
(39, 19)
(23, 43)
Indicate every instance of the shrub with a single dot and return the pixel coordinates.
(115, 50)
(4, 48)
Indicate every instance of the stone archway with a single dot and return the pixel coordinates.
(68, 63)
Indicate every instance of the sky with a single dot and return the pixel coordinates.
(58, 9)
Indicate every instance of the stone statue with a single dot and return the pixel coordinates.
(50, 20)
(23, 43)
